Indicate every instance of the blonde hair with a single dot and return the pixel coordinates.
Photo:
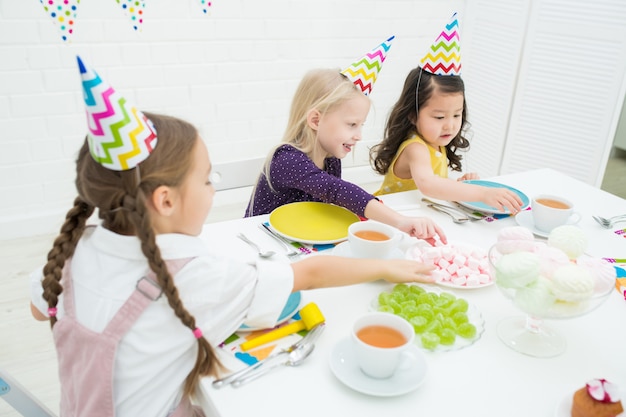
(120, 197)
(321, 89)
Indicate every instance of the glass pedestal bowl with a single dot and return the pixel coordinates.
(529, 334)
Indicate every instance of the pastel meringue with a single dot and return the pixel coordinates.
(536, 298)
(570, 239)
(517, 269)
(572, 283)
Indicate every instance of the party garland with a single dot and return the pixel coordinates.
(63, 13)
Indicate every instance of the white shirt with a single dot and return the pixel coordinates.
(158, 353)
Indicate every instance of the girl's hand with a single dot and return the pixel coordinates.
(423, 228)
(502, 198)
(469, 176)
(405, 270)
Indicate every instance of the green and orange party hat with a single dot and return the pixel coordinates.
(120, 136)
(364, 72)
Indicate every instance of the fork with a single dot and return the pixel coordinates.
(291, 252)
(463, 212)
(608, 223)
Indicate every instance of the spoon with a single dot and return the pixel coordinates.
(267, 254)
(295, 358)
(459, 220)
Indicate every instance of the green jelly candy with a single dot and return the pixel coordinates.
(430, 340)
(460, 304)
(448, 323)
(447, 337)
(409, 310)
(419, 323)
(395, 305)
(460, 317)
(383, 298)
(416, 290)
(401, 288)
(408, 303)
(433, 326)
(386, 309)
(466, 330)
(426, 311)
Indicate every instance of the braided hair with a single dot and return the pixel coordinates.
(120, 197)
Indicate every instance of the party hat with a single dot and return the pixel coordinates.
(134, 10)
(63, 14)
(364, 71)
(120, 136)
(444, 55)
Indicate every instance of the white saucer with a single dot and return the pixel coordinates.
(525, 219)
(343, 249)
(344, 366)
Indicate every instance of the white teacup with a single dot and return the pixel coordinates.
(371, 239)
(550, 211)
(382, 342)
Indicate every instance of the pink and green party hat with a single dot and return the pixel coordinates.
(120, 136)
(444, 55)
(364, 71)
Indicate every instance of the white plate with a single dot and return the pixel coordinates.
(564, 408)
(484, 208)
(343, 249)
(422, 246)
(344, 366)
(525, 219)
(290, 309)
(474, 316)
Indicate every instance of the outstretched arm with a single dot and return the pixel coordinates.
(434, 186)
(334, 271)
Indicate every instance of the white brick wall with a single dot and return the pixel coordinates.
(232, 74)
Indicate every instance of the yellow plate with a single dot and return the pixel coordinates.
(312, 222)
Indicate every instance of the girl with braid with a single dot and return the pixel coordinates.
(136, 303)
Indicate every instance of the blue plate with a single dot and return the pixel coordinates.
(292, 306)
(484, 208)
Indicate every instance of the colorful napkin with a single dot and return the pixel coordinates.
(250, 357)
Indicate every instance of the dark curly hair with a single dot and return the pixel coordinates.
(403, 117)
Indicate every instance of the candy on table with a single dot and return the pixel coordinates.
(572, 283)
(536, 298)
(517, 269)
(570, 239)
(437, 317)
(459, 265)
(514, 239)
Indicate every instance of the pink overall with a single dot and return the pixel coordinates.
(87, 358)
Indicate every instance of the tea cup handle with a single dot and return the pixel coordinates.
(407, 360)
(574, 218)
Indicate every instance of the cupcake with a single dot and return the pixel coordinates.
(598, 398)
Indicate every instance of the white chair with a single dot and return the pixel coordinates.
(237, 174)
(20, 398)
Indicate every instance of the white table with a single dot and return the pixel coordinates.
(485, 379)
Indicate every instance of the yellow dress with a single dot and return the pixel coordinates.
(393, 184)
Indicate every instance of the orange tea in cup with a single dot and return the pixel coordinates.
(552, 203)
(381, 336)
(371, 235)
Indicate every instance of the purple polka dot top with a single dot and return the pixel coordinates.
(296, 178)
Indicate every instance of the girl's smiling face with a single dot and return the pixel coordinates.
(440, 120)
(341, 128)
